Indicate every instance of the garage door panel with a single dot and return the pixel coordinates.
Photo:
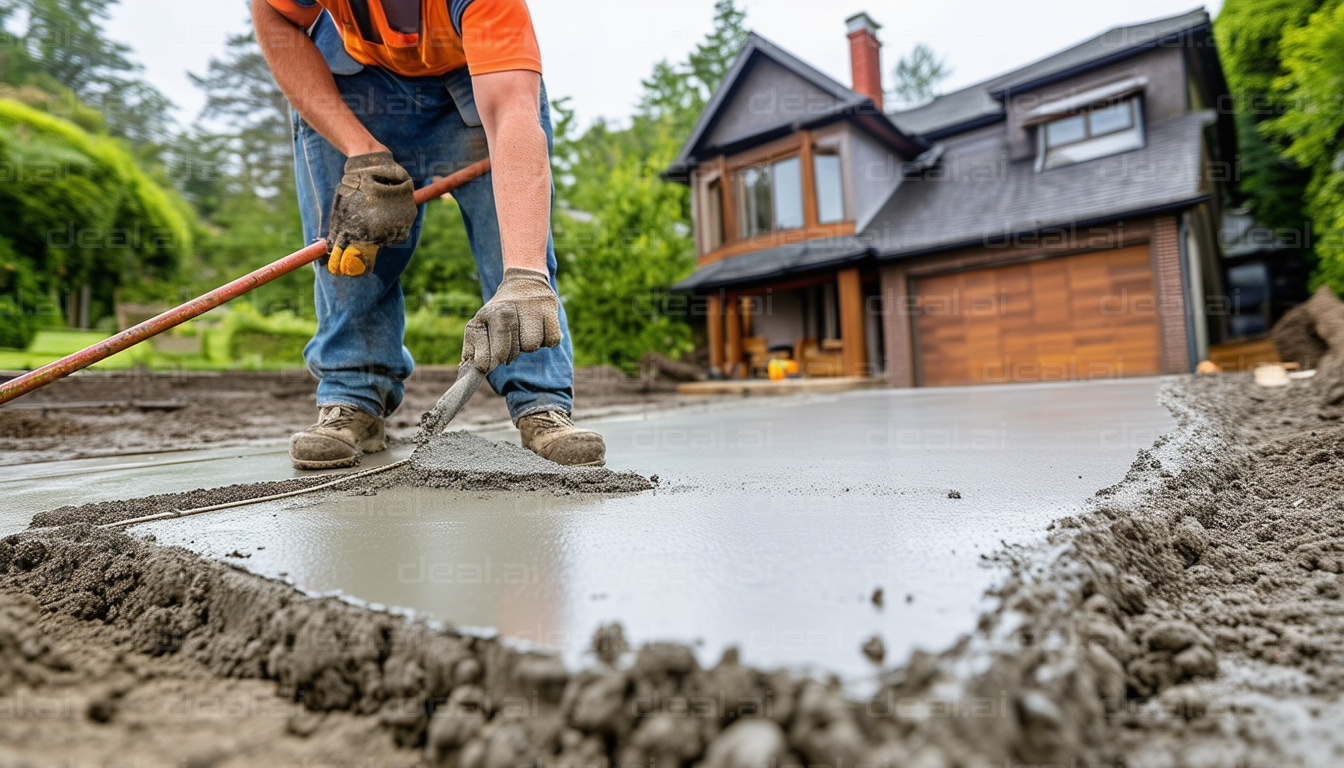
(1084, 316)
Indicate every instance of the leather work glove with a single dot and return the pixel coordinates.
(374, 205)
(523, 316)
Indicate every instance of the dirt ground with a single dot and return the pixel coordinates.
(1193, 618)
(101, 414)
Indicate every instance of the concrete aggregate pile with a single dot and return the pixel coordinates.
(1193, 617)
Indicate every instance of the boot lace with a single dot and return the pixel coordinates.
(553, 420)
(337, 416)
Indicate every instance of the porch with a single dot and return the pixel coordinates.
(829, 324)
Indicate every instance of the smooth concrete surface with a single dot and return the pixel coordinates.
(771, 528)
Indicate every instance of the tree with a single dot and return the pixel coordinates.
(63, 51)
(623, 235)
(917, 77)
(80, 218)
(242, 93)
(1312, 124)
(618, 265)
(1249, 35)
(714, 56)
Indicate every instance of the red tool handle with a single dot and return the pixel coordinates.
(204, 303)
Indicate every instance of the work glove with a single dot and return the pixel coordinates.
(374, 205)
(523, 316)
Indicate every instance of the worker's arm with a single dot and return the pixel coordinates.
(374, 204)
(505, 64)
(524, 314)
(304, 78)
(510, 107)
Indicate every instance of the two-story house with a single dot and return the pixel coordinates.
(1059, 221)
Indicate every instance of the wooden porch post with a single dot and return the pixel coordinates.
(733, 316)
(809, 182)
(854, 352)
(714, 323)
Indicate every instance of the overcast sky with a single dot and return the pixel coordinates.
(597, 51)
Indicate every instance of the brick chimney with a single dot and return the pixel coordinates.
(865, 56)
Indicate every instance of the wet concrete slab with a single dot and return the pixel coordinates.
(772, 525)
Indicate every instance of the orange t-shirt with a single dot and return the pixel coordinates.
(428, 37)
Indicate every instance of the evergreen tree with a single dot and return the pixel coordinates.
(64, 51)
(623, 235)
(917, 77)
(1249, 35)
(1312, 124)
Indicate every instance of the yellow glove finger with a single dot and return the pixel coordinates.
(353, 260)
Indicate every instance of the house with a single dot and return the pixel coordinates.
(1059, 221)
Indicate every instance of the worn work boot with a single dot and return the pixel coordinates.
(342, 434)
(551, 435)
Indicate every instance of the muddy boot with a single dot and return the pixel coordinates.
(341, 435)
(551, 435)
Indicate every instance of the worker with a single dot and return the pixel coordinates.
(387, 95)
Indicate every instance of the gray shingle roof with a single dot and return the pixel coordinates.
(978, 101)
(978, 194)
(777, 263)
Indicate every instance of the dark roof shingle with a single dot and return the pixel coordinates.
(978, 194)
(776, 263)
(978, 102)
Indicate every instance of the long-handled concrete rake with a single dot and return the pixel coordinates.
(201, 304)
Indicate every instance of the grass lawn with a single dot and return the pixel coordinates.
(53, 345)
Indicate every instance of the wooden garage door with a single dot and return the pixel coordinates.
(1088, 316)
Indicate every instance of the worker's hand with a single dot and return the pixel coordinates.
(523, 316)
(373, 206)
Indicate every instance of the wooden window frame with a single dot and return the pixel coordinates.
(800, 145)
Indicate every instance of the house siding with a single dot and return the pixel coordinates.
(768, 95)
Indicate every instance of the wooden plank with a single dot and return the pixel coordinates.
(853, 330)
(714, 323)
(729, 189)
(733, 320)
(808, 179)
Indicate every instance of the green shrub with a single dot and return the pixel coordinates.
(79, 212)
(255, 340)
(435, 339)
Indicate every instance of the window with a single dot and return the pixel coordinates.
(830, 186)
(1088, 135)
(714, 214)
(770, 197)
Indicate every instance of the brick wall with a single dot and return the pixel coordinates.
(1166, 251)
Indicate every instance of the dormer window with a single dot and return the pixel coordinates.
(1097, 132)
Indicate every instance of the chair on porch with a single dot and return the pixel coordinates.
(756, 355)
(820, 359)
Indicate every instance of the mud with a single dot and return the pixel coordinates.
(1312, 333)
(73, 418)
(456, 460)
(1193, 617)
